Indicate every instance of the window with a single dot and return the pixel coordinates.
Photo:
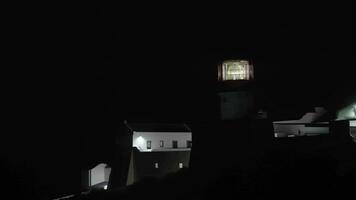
(161, 143)
(235, 70)
(189, 144)
(175, 144)
(181, 165)
(149, 142)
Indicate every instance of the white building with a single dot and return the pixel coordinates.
(155, 150)
(162, 141)
(310, 124)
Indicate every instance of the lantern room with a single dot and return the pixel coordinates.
(234, 70)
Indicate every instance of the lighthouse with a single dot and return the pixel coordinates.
(235, 90)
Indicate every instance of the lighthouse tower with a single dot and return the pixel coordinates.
(235, 89)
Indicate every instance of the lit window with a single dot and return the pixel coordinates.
(235, 70)
(161, 143)
(149, 142)
(180, 165)
(156, 165)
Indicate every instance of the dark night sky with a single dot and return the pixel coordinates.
(160, 64)
(163, 60)
(140, 63)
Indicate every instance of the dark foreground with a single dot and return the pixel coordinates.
(290, 170)
(293, 175)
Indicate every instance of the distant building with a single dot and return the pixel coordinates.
(309, 124)
(315, 123)
(151, 150)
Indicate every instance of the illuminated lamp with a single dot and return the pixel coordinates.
(235, 89)
(233, 70)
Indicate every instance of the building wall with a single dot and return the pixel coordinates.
(140, 139)
(107, 172)
(283, 130)
(99, 174)
(235, 105)
(353, 123)
(158, 164)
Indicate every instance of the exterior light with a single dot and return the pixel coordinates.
(180, 165)
(140, 140)
(105, 187)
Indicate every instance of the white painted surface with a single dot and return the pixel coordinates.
(296, 128)
(107, 172)
(169, 149)
(99, 174)
(353, 123)
(282, 130)
(140, 140)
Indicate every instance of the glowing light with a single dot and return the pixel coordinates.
(180, 165)
(348, 112)
(140, 140)
(105, 187)
(236, 70)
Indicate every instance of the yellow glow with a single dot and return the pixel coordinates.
(236, 70)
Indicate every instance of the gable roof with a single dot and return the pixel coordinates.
(158, 127)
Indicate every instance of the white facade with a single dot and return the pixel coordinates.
(161, 141)
(99, 174)
(291, 128)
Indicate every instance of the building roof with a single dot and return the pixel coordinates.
(158, 127)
